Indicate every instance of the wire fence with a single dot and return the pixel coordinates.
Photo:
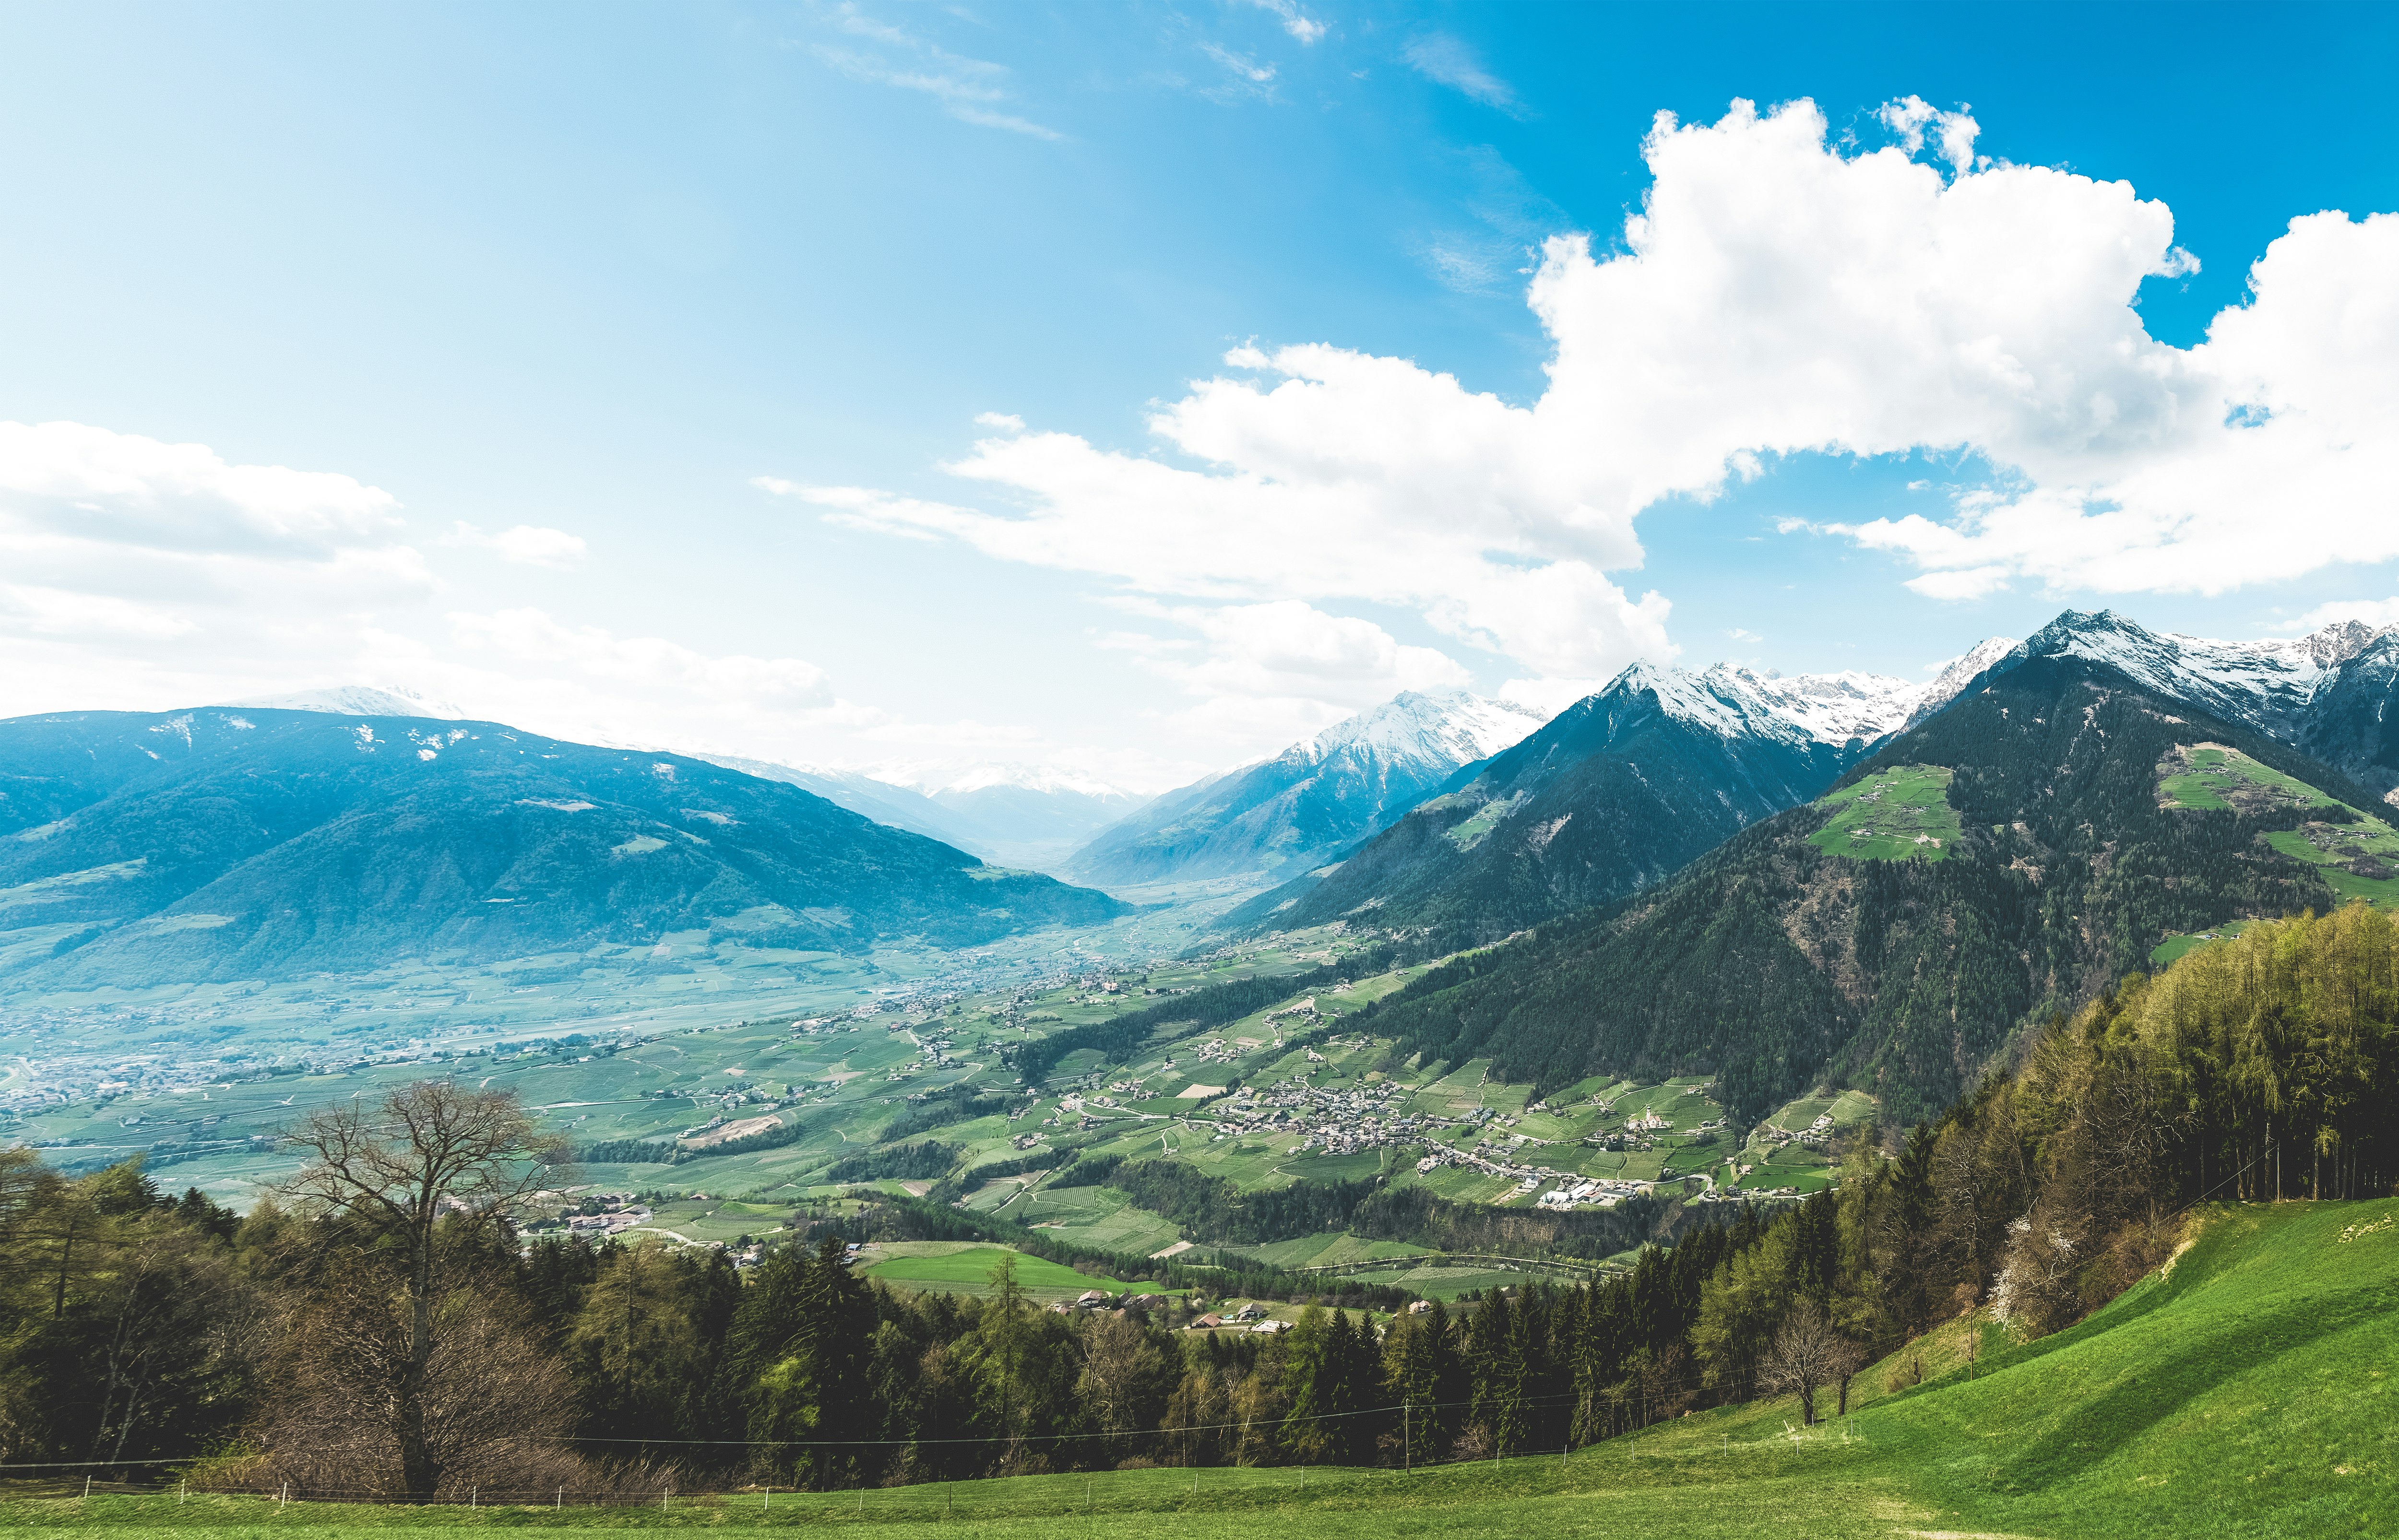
(1145, 1489)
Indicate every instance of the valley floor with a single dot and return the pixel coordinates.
(2247, 1390)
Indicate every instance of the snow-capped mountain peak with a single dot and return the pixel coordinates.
(1737, 702)
(1450, 727)
(1833, 709)
(1954, 675)
(2267, 684)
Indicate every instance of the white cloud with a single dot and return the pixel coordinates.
(1439, 57)
(1953, 133)
(1005, 420)
(2374, 611)
(1773, 296)
(646, 663)
(71, 482)
(1549, 696)
(1355, 478)
(1251, 75)
(527, 544)
(1296, 21)
(113, 544)
(1286, 649)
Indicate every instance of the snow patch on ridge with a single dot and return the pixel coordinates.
(1432, 727)
(2268, 685)
(355, 700)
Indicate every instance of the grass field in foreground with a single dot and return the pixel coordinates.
(2246, 1392)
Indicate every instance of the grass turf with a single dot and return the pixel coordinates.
(2246, 1391)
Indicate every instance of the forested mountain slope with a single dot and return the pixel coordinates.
(1796, 953)
(1621, 789)
(224, 844)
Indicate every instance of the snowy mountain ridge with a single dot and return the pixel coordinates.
(1317, 796)
(1831, 709)
(1446, 728)
(2269, 684)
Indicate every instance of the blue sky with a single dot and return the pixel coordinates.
(606, 276)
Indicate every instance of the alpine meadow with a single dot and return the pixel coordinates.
(1367, 771)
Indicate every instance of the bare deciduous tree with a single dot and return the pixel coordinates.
(429, 1175)
(1808, 1354)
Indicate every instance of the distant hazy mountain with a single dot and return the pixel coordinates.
(357, 700)
(1016, 815)
(1027, 815)
(1314, 798)
(897, 805)
(1616, 791)
(227, 843)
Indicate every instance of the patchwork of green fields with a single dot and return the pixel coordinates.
(1890, 816)
(1793, 1147)
(2358, 856)
(2359, 859)
(2212, 778)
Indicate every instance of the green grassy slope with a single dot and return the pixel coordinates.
(2249, 1391)
(2246, 1392)
(1891, 815)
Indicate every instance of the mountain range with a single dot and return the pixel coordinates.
(2093, 791)
(224, 842)
(1619, 789)
(1291, 812)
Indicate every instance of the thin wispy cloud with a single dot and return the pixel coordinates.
(1294, 20)
(1249, 76)
(1512, 218)
(1439, 57)
(968, 90)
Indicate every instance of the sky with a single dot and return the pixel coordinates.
(1133, 389)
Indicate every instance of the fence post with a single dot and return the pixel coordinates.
(560, 1504)
(87, 1489)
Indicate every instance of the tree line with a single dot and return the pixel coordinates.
(379, 1327)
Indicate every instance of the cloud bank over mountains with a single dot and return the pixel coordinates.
(1777, 294)
(1313, 528)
